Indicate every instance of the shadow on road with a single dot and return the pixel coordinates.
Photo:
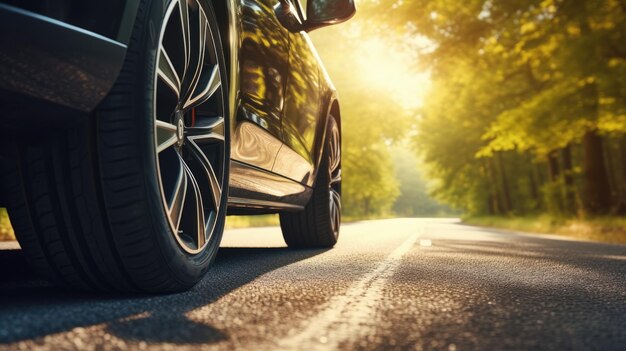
(495, 291)
(591, 256)
(31, 308)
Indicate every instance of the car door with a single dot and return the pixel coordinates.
(301, 111)
(263, 69)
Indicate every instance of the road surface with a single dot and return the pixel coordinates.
(402, 284)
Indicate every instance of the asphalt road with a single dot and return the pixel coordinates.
(403, 284)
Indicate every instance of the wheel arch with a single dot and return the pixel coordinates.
(223, 9)
(330, 107)
(336, 112)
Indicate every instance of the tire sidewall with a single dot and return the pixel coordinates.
(186, 268)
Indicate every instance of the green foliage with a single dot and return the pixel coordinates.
(553, 197)
(371, 121)
(234, 222)
(514, 84)
(380, 175)
(414, 200)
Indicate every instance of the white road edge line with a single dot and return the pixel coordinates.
(349, 316)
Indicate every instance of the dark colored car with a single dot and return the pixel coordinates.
(129, 129)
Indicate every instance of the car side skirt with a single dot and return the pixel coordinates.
(252, 189)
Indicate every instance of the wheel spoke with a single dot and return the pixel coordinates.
(177, 202)
(335, 177)
(165, 135)
(183, 9)
(336, 160)
(335, 151)
(210, 87)
(335, 208)
(190, 130)
(208, 129)
(167, 72)
(214, 183)
(200, 222)
(335, 199)
(196, 62)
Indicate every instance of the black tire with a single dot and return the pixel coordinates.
(86, 203)
(317, 226)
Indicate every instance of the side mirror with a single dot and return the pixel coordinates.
(322, 13)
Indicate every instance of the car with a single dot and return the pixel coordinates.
(129, 129)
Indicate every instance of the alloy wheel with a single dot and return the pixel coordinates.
(189, 125)
(334, 167)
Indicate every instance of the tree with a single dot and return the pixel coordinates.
(519, 78)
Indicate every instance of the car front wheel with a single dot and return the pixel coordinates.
(135, 198)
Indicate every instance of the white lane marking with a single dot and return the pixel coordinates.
(349, 316)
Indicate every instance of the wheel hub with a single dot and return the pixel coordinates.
(180, 129)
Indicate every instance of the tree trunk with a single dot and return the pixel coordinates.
(490, 210)
(568, 177)
(495, 193)
(597, 193)
(505, 184)
(610, 170)
(554, 199)
(540, 172)
(554, 170)
(622, 148)
(621, 205)
(534, 188)
(486, 174)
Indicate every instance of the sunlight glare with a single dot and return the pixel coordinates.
(389, 67)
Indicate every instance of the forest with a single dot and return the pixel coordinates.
(526, 108)
(527, 112)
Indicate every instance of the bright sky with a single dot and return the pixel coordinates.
(381, 60)
(393, 69)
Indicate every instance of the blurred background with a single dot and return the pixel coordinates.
(508, 113)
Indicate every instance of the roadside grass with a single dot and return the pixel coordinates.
(604, 229)
(234, 222)
(6, 231)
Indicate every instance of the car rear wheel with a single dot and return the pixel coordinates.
(135, 199)
(318, 224)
